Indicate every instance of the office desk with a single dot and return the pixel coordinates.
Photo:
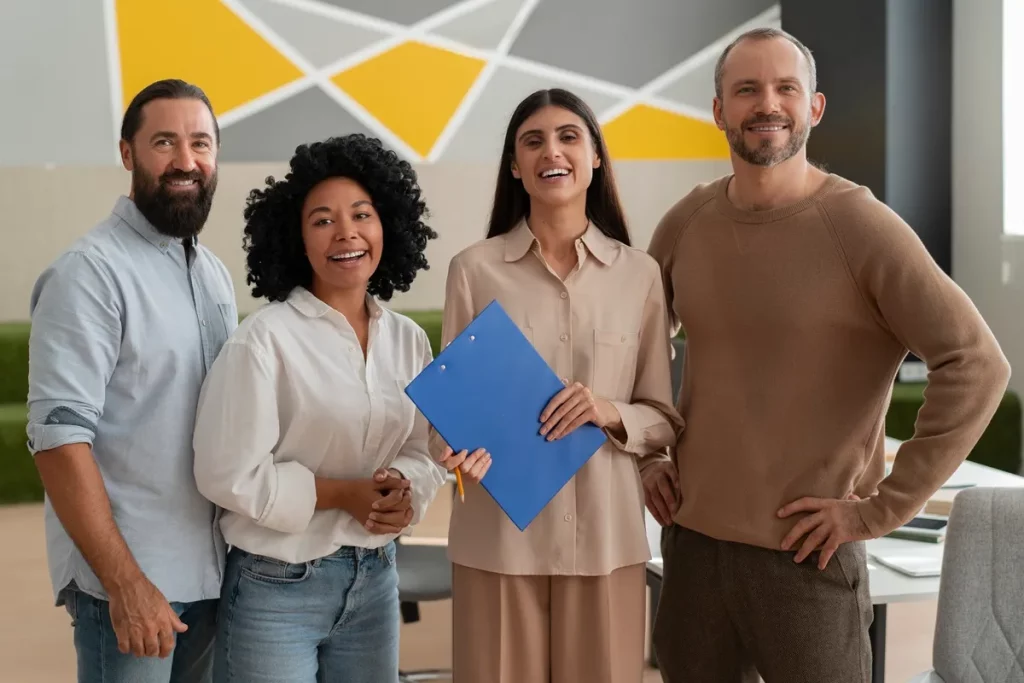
(887, 586)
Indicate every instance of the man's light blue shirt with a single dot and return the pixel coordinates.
(125, 325)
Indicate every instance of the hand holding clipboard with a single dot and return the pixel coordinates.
(486, 390)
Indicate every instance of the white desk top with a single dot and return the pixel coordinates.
(888, 585)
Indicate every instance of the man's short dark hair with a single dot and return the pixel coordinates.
(167, 89)
(766, 33)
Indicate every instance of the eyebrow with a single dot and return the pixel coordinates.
(324, 209)
(174, 136)
(754, 81)
(537, 131)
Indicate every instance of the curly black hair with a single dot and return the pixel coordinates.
(276, 258)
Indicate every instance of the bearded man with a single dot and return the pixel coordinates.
(125, 325)
(801, 294)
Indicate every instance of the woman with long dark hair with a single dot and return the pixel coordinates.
(563, 601)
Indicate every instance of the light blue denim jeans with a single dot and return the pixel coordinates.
(331, 620)
(99, 660)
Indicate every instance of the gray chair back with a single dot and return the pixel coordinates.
(979, 634)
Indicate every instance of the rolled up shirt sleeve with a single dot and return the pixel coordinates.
(74, 344)
(414, 459)
(236, 431)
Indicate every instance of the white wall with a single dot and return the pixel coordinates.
(988, 264)
(42, 211)
(1013, 105)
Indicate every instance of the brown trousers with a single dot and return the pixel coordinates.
(548, 629)
(729, 612)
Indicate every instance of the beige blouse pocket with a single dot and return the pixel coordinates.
(615, 356)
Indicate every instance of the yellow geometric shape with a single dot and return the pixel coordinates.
(413, 89)
(199, 41)
(644, 132)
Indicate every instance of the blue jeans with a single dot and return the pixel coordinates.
(334, 619)
(99, 660)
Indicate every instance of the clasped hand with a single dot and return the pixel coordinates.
(571, 407)
(383, 503)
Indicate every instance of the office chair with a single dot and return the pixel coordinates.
(979, 632)
(424, 573)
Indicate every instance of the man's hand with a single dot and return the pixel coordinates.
(573, 406)
(386, 494)
(661, 490)
(143, 621)
(831, 523)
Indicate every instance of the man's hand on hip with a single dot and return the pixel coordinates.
(829, 523)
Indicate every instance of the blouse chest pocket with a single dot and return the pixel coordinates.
(615, 356)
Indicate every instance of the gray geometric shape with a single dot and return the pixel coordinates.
(398, 11)
(695, 88)
(483, 28)
(56, 85)
(274, 133)
(319, 39)
(482, 132)
(629, 43)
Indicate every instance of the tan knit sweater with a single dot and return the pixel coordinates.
(797, 320)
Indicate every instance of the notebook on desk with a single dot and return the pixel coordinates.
(910, 564)
(487, 389)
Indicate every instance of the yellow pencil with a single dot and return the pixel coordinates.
(458, 484)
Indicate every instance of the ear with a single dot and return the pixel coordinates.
(515, 171)
(597, 161)
(126, 155)
(716, 108)
(817, 108)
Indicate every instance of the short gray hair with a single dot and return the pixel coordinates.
(765, 33)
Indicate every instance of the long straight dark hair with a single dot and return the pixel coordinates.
(511, 201)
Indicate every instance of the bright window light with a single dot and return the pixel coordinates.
(1013, 104)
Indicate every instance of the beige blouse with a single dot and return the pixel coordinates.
(605, 326)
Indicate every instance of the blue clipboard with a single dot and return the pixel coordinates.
(487, 389)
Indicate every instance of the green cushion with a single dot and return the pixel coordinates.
(13, 362)
(430, 321)
(1000, 444)
(19, 480)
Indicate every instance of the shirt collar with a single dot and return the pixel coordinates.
(126, 210)
(303, 301)
(521, 239)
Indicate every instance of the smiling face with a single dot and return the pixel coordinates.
(173, 160)
(767, 109)
(555, 156)
(342, 234)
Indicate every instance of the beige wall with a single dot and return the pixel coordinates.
(43, 211)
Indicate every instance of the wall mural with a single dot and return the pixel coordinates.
(434, 79)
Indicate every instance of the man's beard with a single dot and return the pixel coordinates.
(766, 154)
(179, 215)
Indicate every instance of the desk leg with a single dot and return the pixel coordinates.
(877, 635)
(655, 597)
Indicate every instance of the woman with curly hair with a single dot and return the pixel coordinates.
(563, 601)
(304, 436)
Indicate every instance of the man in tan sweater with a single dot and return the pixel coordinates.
(800, 294)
